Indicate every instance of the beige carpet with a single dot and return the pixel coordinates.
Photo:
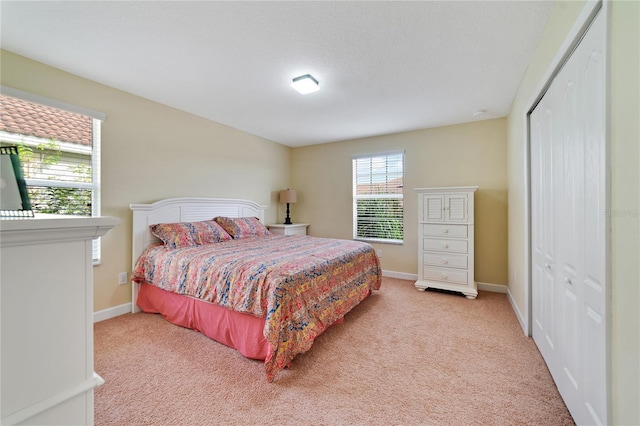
(401, 357)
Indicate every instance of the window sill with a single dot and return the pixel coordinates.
(379, 241)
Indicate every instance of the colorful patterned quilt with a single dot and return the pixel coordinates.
(301, 285)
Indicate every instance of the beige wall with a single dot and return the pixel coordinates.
(624, 21)
(625, 202)
(150, 152)
(466, 154)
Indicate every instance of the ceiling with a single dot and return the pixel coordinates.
(384, 67)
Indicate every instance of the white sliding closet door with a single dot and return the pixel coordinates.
(568, 228)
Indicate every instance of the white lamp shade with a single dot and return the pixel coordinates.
(288, 196)
(305, 84)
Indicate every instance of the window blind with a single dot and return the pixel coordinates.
(378, 187)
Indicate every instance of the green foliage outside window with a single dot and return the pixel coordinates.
(53, 199)
(380, 218)
(66, 201)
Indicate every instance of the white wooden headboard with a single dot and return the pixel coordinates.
(183, 209)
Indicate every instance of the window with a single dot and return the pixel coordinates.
(59, 148)
(378, 210)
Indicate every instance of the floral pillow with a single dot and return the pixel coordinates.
(187, 234)
(242, 227)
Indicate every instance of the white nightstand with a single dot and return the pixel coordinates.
(293, 229)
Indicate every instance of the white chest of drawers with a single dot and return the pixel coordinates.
(46, 278)
(446, 239)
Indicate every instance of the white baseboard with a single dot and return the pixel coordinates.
(111, 312)
(495, 288)
(519, 315)
(400, 275)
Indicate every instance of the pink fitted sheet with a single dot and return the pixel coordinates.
(237, 330)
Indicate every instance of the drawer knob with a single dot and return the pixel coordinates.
(445, 231)
(444, 276)
(445, 261)
(445, 246)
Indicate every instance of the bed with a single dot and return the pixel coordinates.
(268, 296)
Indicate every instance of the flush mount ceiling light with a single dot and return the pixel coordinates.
(305, 84)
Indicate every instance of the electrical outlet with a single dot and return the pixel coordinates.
(122, 278)
(379, 252)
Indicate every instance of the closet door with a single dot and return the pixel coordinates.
(594, 284)
(545, 177)
(568, 194)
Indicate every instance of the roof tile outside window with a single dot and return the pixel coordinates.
(31, 119)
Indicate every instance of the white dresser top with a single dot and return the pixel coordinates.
(41, 228)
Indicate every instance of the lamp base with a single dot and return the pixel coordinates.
(287, 221)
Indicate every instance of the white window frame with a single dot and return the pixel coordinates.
(357, 197)
(94, 186)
